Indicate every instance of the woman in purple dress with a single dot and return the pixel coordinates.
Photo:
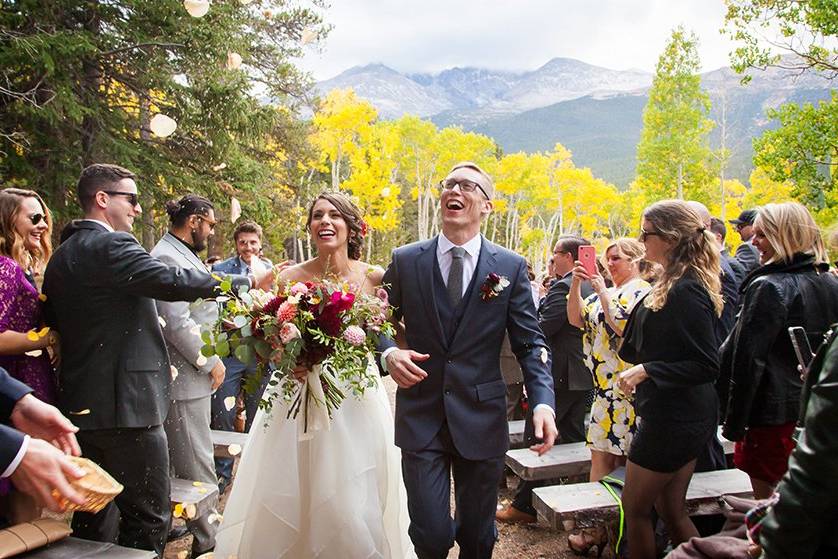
(28, 351)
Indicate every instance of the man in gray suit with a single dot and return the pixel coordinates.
(194, 377)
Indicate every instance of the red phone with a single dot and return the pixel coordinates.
(587, 256)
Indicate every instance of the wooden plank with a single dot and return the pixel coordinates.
(563, 460)
(75, 548)
(516, 433)
(565, 507)
(194, 500)
(228, 443)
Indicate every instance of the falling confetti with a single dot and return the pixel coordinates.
(234, 449)
(190, 511)
(42, 297)
(308, 35)
(32, 336)
(177, 512)
(234, 60)
(162, 321)
(201, 360)
(197, 484)
(162, 125)
(230, 402)
(215, 517)
(235, 209)
(85, 411)
(196, 8)
(182, 554)
(174, 372)
(195, 330)
(34, 353)
(220, 167)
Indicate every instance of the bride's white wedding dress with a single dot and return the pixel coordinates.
(338, 495)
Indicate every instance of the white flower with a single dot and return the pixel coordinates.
(544, 355)
(288, 332)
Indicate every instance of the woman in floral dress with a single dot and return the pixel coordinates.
(603, 316)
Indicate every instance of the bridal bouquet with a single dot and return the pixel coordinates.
(327, 327)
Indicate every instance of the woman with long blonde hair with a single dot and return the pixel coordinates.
(671, 338)
(25, 347)
(792, 287)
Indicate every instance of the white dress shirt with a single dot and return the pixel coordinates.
(102, 223)
(444, 257)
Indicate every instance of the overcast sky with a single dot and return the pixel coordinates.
(432, 35)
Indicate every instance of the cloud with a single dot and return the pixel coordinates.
(518, 35)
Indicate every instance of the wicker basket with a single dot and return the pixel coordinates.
(96, 486)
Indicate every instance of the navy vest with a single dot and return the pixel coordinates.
(449, 316)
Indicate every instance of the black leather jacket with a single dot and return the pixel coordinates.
(758, 357)
(802, 523)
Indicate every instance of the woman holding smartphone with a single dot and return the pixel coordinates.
(671, 338)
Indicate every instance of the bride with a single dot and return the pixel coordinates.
(340, 493)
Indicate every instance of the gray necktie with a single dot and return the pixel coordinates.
(455, 276)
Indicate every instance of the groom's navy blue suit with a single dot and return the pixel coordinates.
(455, 419)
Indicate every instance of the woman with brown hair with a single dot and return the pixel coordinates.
(26, 349)
(792, 287)
(671, 337)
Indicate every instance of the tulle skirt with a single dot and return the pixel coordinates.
(338, 495)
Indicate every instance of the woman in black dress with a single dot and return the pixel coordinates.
(670, 335)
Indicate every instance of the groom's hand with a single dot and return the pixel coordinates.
(403, 370)
(544, 429)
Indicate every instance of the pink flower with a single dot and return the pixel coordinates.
(299, 288)
(382, 294)
(288, 332)
(355, 335)
(287, 311)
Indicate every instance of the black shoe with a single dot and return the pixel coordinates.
(223, 483)
(177, 532)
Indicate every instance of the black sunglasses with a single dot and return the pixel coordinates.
(37, 218)
(645, 234)
(133, 197)
(465, 186)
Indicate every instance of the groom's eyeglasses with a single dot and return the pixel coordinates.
(208, 220)
(465, 186)
(37, 218)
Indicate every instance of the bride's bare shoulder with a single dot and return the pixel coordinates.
(373, 274)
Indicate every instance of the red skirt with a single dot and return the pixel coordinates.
(764, 453)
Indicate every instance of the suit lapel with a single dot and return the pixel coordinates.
(425, 271)
(485, 264)
(190, 256)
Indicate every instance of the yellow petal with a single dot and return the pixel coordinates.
(177, 512)
(43, 331)
(197, 484)
(32, 336)
(42, 297)
(230, 402)
(234, 449)
(202, 491)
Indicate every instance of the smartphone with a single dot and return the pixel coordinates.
(800, 343)
(587, 256)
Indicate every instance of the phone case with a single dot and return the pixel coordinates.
(587, 256)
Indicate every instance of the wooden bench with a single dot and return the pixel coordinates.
(192, 499)
(563, 460)
(516, 434)
(226, 444)
(75, 548)
(565, 507)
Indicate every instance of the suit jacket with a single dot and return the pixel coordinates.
(464, 387)
(564, 339)
(100, 288)
(11, 390)
(235, 265)
(183, 321)
(747, 255)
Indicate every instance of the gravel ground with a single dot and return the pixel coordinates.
(515, 541)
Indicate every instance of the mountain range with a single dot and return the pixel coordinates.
(593, 111)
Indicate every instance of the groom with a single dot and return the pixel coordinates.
(458, 295)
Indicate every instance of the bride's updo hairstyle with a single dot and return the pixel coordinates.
(351, 214)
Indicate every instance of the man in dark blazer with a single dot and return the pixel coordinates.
(34, 465)
(572, 379)
(115, 374)
(247, 237)
(459, 294)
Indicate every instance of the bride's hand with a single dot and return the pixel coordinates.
(300, 372)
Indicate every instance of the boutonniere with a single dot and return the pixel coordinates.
(493, 286)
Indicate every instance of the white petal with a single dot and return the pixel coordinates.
(201, 360)
(230, 402)
(162, 125)
(544, 355)
(162, 321)
(234, 449)
(234, 61)
(174, 372)
(196, 8)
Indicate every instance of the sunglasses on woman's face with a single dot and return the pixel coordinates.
(37, 218)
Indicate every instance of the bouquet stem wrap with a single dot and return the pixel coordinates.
(315, 411)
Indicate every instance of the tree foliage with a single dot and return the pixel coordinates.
(81, 81)
(673, 156)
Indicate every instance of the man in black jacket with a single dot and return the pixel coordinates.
(746, 253)
(572, 379)
(115, 374)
